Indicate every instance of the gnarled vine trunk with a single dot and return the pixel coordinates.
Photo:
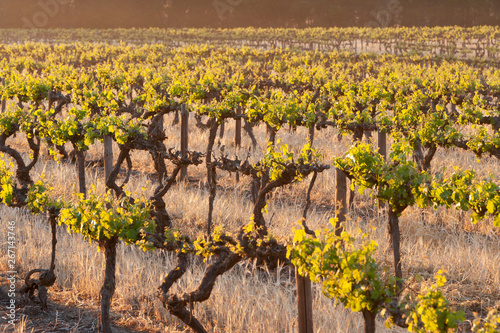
(369, 318)
(109, 284)
(395, 238)
(211, 173)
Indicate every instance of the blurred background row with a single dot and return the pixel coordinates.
(245, 13)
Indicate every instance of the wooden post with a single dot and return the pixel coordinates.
(368, 135)
(108, 156)
(80, 160)
(221, 133)
(304, 303)
(382, 149)
(160, 124)
(237, 136)
(184, 138)
(237, 131)
(341, 200)
(311, 135)
(4, 102)
(382, 143)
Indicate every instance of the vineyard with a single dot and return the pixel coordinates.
(478, 43)
(252, 180)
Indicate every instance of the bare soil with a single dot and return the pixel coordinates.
(66, 313)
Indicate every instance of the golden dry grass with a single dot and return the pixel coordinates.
(246, 299)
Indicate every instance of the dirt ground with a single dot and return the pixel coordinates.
(66, 313)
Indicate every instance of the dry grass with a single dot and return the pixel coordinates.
(246, 299)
